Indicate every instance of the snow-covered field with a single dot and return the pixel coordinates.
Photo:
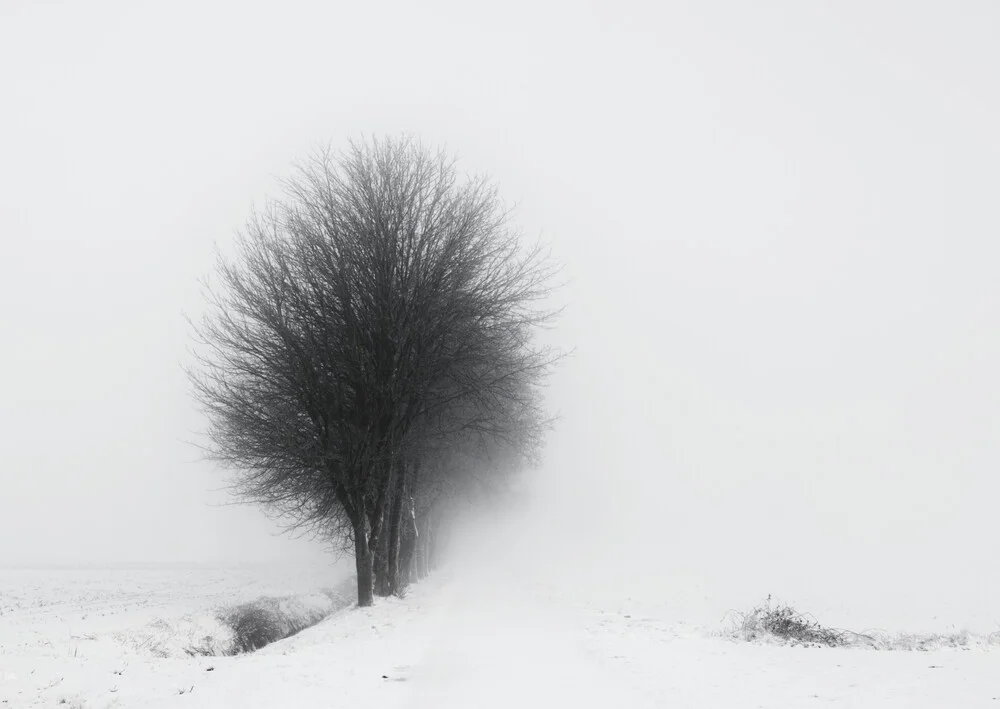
(467, 637)
(69, 634)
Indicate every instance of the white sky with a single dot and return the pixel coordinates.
(779, 220)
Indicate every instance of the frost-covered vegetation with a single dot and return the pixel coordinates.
(776, 622)
(236, 629)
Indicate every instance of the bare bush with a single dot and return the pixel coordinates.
(779, 622)
(782, 623)
(266, 620)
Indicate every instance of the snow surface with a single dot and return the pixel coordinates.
(461, 639)
(63, 631)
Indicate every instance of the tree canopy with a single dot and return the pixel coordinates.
(368, 351)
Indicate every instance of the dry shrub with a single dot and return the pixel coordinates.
(261, 622)
(782, 623)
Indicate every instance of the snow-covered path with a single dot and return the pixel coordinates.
(489, 641)
(505, 649)
(456, 645)
(447, 645)
(497, 650)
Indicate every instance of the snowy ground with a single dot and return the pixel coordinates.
(69, 634)
(477, 640)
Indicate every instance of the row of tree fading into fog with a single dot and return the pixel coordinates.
(368, 357)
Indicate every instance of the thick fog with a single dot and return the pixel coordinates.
(779, 229)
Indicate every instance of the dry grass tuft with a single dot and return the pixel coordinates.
(780, 623)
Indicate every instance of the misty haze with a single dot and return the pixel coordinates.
(544, 354)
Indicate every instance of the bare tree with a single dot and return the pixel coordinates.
(380, 297)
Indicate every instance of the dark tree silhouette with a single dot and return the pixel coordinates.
(384, 303)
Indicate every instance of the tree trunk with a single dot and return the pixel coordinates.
(428, 546)
(376, 519)
(384, 580)
(410, 535)
(419, 560)
(355, 509)
(395, 528)
(363, 561)
(407, 545)
(381, 567)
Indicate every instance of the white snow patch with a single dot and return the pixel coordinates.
(495, 639)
